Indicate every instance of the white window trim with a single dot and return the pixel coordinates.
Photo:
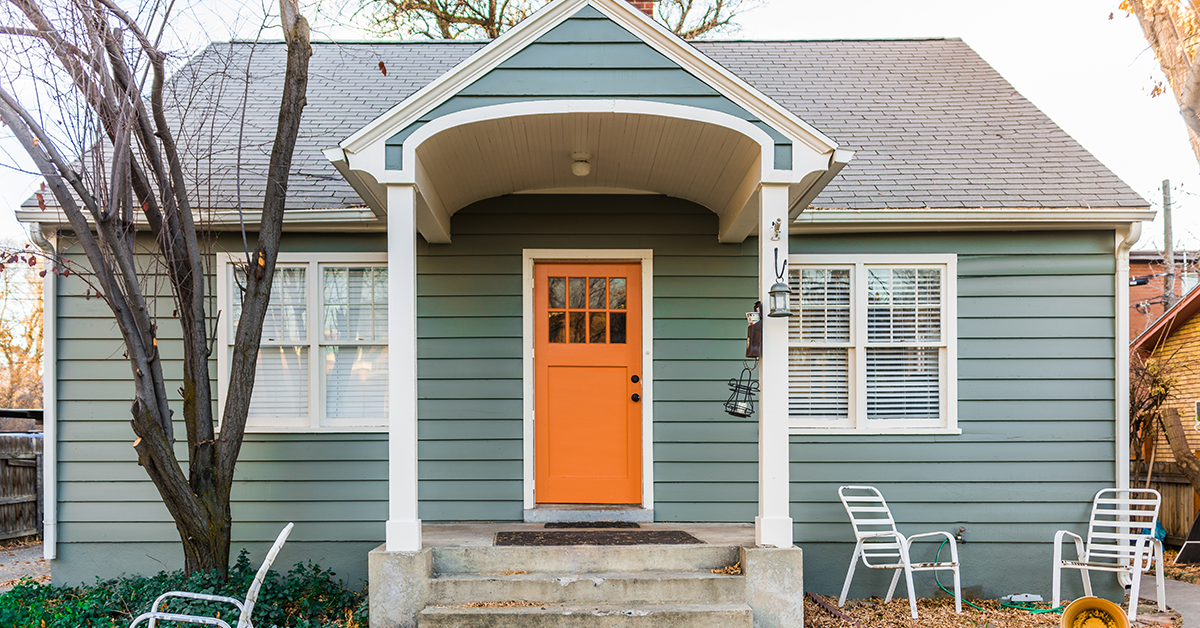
(314, 261)
(858, 424)
(646, 258)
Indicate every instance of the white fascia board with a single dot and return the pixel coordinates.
(550, 16)
(849, 220)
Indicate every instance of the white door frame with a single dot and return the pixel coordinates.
(646, 258)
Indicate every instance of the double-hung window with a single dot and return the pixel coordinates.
(323, 360)
(872, 344)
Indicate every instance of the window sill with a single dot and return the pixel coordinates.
(849, 431)
(316, 430)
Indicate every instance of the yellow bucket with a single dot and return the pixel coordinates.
(1094, 612)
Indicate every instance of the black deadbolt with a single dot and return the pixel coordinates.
(636, 397)
(634, 379)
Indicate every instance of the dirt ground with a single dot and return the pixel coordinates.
(939, 613)
(22, 558)
(1185, 573)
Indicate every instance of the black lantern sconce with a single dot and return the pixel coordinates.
(780, 295)
(742, 392)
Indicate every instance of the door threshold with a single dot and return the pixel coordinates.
(578, 513)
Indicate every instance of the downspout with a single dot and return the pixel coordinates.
(49, 394)
(1125, 239)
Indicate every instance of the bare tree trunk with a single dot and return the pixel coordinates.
(1177, 439)
(1166, 27)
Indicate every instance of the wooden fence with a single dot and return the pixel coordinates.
(20, 485)
(1180, 503)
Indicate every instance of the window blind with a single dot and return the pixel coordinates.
(280, 384)
(819, 383)
(355, 333)
(356, 382)
(818, 376)
(903, 384)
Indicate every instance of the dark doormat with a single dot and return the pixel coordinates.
(590, 524)
(597, 537)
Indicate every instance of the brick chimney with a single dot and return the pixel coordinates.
(647, 6)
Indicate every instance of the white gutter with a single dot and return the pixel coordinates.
(351, 218)
(1125, 239)
(898, 220)
(49, 395)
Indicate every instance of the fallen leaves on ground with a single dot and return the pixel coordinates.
(1186, 573)
(504, 604)
(935, 613)
(939, 613)
(731, 570)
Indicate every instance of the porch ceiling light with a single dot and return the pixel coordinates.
(581, 167)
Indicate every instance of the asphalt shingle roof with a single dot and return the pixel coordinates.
(933, 124)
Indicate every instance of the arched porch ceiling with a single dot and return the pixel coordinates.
(698, 161)
(704, 156)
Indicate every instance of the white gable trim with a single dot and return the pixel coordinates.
(624, 14)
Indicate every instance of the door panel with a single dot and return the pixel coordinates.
(587, 352)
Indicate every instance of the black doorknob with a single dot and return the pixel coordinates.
(636, 397)
(635, 379)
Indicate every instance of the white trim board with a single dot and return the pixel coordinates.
(646, 258)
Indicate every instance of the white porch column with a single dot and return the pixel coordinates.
(403, 526)
(773, 526)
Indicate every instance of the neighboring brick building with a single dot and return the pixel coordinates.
(1145, 301)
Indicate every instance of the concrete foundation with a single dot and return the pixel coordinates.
(775, 585)
(399, 586)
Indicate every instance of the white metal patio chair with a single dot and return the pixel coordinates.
(1120, 539)
(881, 546)
(245, 608)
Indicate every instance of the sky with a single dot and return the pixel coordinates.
(1092, 75)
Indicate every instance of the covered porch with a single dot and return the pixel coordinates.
(715, 160)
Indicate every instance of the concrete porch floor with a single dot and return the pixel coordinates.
(484, 534)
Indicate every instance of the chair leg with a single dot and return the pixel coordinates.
(1087, 582)
(957, 592)
(1159, 579)
(892, 588)
(850, 574)
(912, 593)
(1135, 589)
(1056, 597)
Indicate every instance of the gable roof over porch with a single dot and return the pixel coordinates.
(595, 81)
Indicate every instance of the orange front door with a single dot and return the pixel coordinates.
(587, 363)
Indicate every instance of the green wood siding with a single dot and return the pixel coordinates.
(333, 486)
(469, 349)
(1036, 402)
(588, 56)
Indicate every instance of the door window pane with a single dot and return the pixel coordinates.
(578, 326)
(558, 327)
(616, 332)
(598, 334)
(578, 293)
(598, 294)
(616, 293)
(558, 292)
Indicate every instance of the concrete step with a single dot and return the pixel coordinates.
(579, 559)
(647, 587)
(590, 616)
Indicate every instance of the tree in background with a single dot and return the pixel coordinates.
(487, 19)
(1171, 29)
(102, 127)
(20, 329)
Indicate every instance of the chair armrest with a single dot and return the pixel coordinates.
(183, 619)
(1058, 539)
(194, 596)
(949, 537)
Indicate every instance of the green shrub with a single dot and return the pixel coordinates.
(307, 597)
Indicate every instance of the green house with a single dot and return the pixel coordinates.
(515, 282)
